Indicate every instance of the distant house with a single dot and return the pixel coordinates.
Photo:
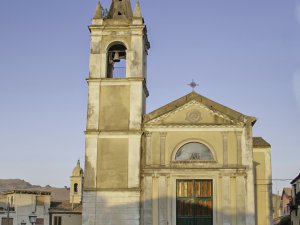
(286, 198)
(69, 212)
(17, 205)
(295, 204)
(52, 206)
(276, 207)
(65, 213)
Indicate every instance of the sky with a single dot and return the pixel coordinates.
(243, 54)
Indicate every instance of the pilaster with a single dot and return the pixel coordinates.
(93, 106)
(239, 147)
(134, 155)
(220, 202)
(162, 213)
(225, 148)
(163, 136)
(155, 203)
(169, 199)
(241, 200)
(148, 208)
(148, 149)
(226, 204)
(233, 200)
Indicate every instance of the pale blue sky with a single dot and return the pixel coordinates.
(243, 54)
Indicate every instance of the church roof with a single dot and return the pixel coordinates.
(203, 100)
(259, 142)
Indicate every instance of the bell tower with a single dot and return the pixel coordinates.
(117, 92)
(76, 183)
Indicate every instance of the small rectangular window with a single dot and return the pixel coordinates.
(57, 220)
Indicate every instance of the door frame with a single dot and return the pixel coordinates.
(213, 176)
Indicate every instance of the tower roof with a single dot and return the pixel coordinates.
(120, 9)
(137, 12)
(98, 12)
(77, 171)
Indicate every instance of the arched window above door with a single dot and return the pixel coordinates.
(194, 151)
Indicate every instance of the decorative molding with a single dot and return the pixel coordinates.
(155, 175)
(187, 105)
(225, 148)
(192, 126)
(148, 134)
(193, 116)
(238, 133)
(112, 189)
(225, 133)
(163, 134)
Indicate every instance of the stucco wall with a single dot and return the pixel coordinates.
(113, 163)
(68, 219)
(263, 184)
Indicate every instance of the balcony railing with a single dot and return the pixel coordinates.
(119, 72)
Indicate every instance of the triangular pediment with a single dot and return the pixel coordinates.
(194, 109)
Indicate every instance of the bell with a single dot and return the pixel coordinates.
(116, 57)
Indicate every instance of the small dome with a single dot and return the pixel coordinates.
(77, 171)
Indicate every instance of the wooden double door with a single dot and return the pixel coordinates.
(194, 202)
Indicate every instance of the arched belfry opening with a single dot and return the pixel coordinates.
(75, 188)
(116, 65)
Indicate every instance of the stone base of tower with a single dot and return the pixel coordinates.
(111, 208)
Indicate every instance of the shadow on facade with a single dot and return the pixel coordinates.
(164, 211)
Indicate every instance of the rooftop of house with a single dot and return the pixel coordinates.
(65, 206)
(287, 191)
(259, 142)
(57, 194)
(295, 179)
(30, 192)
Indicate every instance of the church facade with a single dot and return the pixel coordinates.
(190, 162)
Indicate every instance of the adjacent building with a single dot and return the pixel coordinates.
(51, 206)
(192, 161)
(286, 198)
(69, 212)
(17, 205)
(295, 203)
(276, 208)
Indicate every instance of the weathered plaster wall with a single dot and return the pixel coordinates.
(114, 108)
(68, 219)
(112, 163)
(263, 184)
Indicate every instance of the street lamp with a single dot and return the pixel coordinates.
(23, 222)
(32, 218)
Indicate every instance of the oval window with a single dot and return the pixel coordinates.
(194, 151)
